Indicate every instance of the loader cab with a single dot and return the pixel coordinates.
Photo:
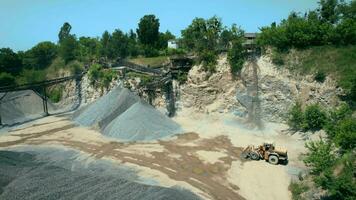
(268, 146)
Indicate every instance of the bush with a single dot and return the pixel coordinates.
(314, 118)
(150, 51)
(208, 59)
(297, 190)
(55, 94)
(6, 79)
(296, 117)
(172, 52)
(100, 77)
(345, 134)
(75, 67)
(277, 58)
(320, 77)
(182, 77)
(236, 56)
(31, 76)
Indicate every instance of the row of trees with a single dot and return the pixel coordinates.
(332, 23)
(208, 37)
(146, 41)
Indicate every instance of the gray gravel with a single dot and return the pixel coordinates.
(21, 106)
(141, 122)
(33, 175)
(122, 115)
(101, 112)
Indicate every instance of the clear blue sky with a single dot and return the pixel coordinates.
(24, 23)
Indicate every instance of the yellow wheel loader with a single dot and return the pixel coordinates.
(267, 151)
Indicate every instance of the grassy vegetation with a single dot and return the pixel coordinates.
(100, 77)
(55, 94)
(145, 79)
(297, 190)
(339, 62)
(152, 62)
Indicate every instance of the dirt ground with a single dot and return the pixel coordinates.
(205, 159)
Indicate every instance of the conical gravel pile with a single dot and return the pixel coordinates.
(104, 110)
(141, 122)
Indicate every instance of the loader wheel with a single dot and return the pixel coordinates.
(273, 159)
(254, 156)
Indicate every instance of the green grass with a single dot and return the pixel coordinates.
(152, 62)
(339, 62)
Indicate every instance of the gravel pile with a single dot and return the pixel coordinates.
(101, 112)
(141, 122)
(28, 176)
(21, 106)
(122, 115)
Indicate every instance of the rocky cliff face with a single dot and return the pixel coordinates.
(277, 90)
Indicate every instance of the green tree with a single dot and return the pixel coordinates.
(105, 45)
(119, 44)
(328, 10)
(6, 79)
(233, 40)
(64, 32)
(296, 117)
(202, 37)
(345, 134)
(314, 117)
(40, 56)
(88, 48)
(163, 39)
(10, 62)
(320, 158)
(68, 48)
(148, 30)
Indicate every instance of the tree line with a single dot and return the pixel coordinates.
(147, 41)
(332, 23)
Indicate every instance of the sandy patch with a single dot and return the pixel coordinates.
(259, 180)
(210, 156)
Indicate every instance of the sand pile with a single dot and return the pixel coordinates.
(141, 122)
(121, 114)
(21, 106)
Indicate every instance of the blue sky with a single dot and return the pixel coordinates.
(24, 23)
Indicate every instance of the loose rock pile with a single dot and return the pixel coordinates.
(122, 114)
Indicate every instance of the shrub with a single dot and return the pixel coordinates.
(320, 77)
(297, 190)
(31, 76)
(314, 118)
(236, 56)
(208, 59)
(100, 77)
(182, 77)
(296, 117)
(277, 58)
(94, 73)
(6, 79)
(150, 51)
(55, 94)
(75, 67)
(345, 134)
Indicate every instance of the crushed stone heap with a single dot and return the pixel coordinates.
(141, 122)
(123, 115)
(22, 106)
